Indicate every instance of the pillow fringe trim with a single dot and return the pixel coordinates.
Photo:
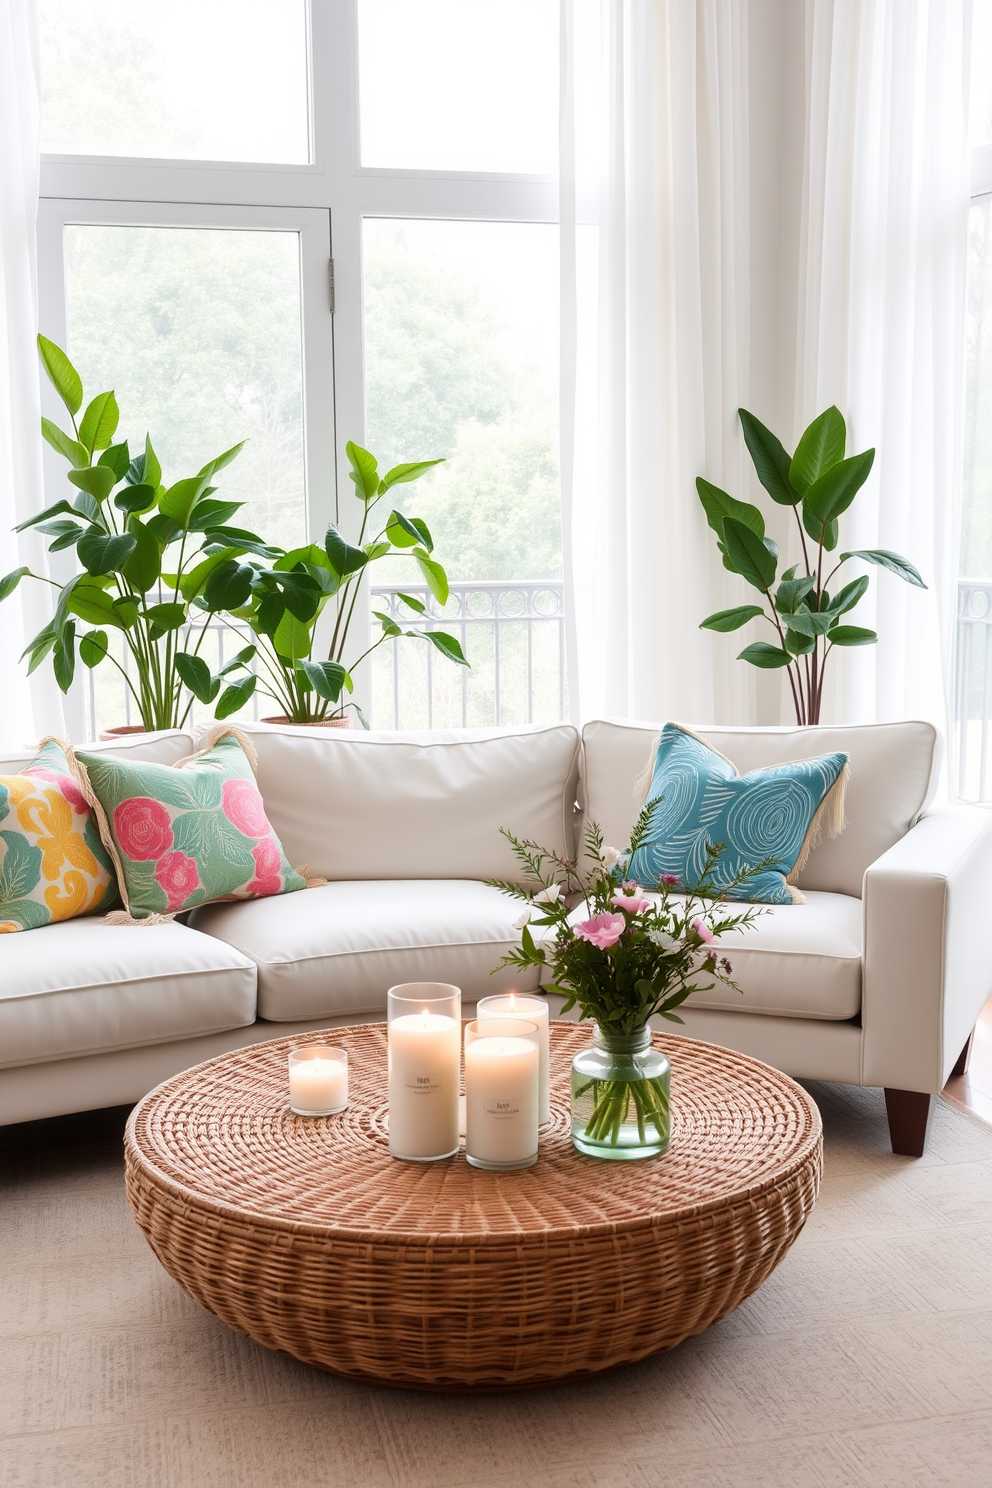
(81, 776)
(215, 735)
(830, 814)
(123, 917)
(643, 782)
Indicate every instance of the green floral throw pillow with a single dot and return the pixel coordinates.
(186, 834)
(53, 865)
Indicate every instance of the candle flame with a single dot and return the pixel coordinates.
(424, 1015)
(513, 1002)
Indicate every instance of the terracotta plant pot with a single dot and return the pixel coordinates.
(324, 723)
(121, 730)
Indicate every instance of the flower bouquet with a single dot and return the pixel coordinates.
(622, 956)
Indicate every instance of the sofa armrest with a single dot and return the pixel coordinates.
(927, 951)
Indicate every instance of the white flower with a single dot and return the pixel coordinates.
(664, 941)
(523, 920)
(610, 857)
(550, 895)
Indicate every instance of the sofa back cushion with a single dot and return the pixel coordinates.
(357, 805)
(894, 770)
(162, 748)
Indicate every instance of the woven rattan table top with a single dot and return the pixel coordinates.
(224, 1134)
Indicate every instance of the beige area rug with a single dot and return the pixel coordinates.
(865, 1360)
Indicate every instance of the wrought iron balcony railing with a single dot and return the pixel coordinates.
(513, 633)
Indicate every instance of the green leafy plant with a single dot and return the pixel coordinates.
(147, 553)
(276, 604)
(631, 957)
(819, 483)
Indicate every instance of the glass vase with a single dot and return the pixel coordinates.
(620, 1097)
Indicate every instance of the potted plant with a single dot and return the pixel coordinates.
(624, 958)
(146, 553)
(819, 484)
(275, 605)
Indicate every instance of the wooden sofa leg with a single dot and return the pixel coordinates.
(909, 1113)
(964, 1059)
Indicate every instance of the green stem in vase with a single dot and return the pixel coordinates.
(611, 1101)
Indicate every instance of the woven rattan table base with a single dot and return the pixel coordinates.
(306, 1234)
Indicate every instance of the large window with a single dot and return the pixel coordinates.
(189, 214)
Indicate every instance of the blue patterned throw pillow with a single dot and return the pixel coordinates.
(771, 817)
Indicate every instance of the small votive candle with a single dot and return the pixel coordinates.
(532, 1010)
(501, 1093)
(424, 1051)
(318, 1080)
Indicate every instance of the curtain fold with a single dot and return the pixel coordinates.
(28, 706)
(766, 207)
(654, 214)
(882, 317)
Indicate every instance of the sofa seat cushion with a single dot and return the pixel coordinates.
(83, 987)
(339, 948)
(795, 961)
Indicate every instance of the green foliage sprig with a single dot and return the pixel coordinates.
(631, 958)
(280, 602)
(147, 553)
(819, 483)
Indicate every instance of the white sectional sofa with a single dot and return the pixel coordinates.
(877, 980)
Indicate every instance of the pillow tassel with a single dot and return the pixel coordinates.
(315, 882)
(643, 782)
(831, 813)
(223, 729)
(82, 779)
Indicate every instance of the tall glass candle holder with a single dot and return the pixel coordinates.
(532, 1010)
(502, 1078)
(318, 1080)
(424, 1033)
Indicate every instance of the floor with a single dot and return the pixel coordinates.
(973, 1091)
(864, 1361)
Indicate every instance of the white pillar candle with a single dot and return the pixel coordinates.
(424, 1060)
(502, 1068)
(318, 1080)
(533, 1010)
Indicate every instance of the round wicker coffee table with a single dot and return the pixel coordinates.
(306, 1235)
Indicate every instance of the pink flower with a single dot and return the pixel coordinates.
(703, 931)
(631, 903)
(66, 785)
(268, 870)
(243, 808)
(603, 930)
(143, 828)
(630, 888)
(670, 880)
(178, 876)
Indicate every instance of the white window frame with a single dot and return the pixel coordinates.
(337, 188)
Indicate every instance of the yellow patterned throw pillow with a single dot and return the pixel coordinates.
(53, 865)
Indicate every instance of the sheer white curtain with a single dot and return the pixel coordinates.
(654, 213)
(882, 315)
(762, 205)
(28, 707)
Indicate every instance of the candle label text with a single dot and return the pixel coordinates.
(501, 1110)
(423, 1084)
